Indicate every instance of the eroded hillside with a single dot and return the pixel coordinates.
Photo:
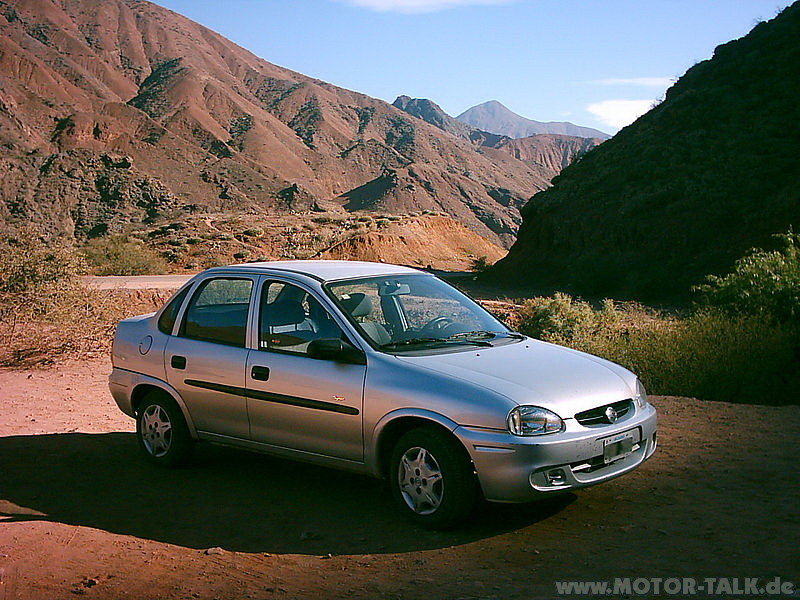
(117, 112)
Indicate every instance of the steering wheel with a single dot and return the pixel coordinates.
(437, 324)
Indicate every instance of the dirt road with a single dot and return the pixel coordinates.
(82, 514)
(136, 282)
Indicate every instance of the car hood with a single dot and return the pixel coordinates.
(538, 373)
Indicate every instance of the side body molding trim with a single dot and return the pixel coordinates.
(271, 397)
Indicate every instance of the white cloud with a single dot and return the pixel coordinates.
(619, 113)
(660, 82)
(418, 6)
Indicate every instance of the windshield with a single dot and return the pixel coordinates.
(410, 312)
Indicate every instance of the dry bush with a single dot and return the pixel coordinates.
(708, 355)
(47, 314)
(68, 321)
(119, 255)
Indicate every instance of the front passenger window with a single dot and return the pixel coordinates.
(218, 312)
(291, 318)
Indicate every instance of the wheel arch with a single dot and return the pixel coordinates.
(143, 388)
(394, 425)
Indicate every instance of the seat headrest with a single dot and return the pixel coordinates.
(358, 304)
(283, 313)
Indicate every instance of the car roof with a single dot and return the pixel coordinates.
(321, 270)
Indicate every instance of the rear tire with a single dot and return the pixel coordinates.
(432, 479)
(162, 432)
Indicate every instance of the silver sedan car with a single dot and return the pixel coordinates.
(378, 369)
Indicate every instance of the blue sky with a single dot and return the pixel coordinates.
(594, 63)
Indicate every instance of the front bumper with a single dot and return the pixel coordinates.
(519, 469)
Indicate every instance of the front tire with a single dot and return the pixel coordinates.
(162, 432)
(432, 479)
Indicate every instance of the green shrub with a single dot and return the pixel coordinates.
(763, 283)
(325, 220)
(480, 264)
(171, 255)
(118, 255)
(563, 320)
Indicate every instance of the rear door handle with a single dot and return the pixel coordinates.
(178, 362)
(260, 373)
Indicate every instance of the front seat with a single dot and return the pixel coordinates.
(360, 306)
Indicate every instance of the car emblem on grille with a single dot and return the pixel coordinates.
(611, 414)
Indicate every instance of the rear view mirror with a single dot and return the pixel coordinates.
(337, 350)
(394, 288)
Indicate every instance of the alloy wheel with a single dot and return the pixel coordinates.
(156, 430)
(420, 479)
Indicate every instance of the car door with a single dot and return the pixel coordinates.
(205, 362)
(295, 401)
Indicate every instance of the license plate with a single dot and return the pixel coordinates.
(617, 447)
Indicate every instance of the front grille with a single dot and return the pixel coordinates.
(597, 416)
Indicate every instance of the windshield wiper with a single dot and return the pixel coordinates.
(458, 338)
(413, 341)
(469, 336)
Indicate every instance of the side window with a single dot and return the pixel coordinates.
(291, 318)
(166, 321)
(218, 312)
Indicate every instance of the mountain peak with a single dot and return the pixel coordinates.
(551, 152)
(429, 111)
(493, 116)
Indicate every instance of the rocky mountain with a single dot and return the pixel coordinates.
(551, 152)
(494, 117)
(119, 112)
(432, 113)
(686, 189)
(547, 150)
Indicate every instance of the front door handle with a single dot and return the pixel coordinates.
(260, 373)
(178, 362)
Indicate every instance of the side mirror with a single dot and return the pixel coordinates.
(336, 349)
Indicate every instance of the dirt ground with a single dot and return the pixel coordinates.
(82, 514)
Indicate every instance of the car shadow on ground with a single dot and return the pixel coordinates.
(236, 500)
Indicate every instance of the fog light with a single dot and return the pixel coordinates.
(556, 477)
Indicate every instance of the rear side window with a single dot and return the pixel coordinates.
(166, 321)
(218, 312)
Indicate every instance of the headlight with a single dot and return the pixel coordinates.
(532, 420)
(641, 395)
